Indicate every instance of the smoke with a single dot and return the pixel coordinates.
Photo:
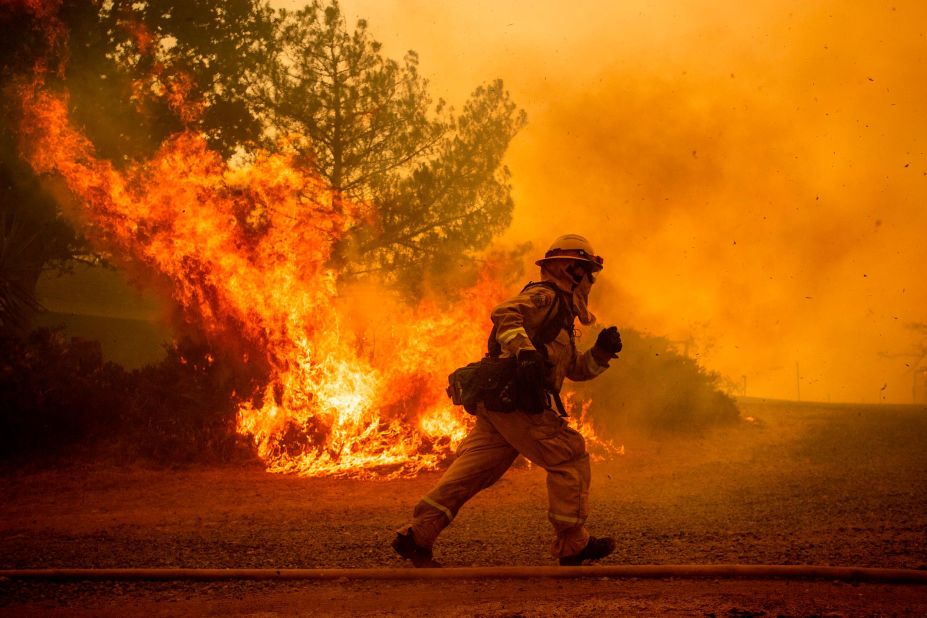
(754, 176)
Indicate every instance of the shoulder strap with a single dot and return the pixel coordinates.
(558, 298)
(553, 321)
(551, 325)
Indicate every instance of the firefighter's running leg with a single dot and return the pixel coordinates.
(546, 440)
(482, 458)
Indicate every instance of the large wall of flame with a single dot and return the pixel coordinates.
(753, 173)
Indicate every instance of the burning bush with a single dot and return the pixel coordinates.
(254, 252)
(59, 401)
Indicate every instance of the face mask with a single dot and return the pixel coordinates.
(576, 271)
(559, 271)
(579, 271)
(581, 300)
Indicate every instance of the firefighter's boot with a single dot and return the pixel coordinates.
(595, 549)
(405, 546)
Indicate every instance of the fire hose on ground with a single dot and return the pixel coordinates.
(669, 571)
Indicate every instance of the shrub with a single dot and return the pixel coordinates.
(59, 399)
(654, 389)
(55, 393)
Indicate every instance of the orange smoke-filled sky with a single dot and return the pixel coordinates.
(753, 173)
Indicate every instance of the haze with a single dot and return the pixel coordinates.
(754, 175)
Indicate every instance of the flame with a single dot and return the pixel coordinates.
(163, 80)
(246, 249)
(599, 447)
(53, 31)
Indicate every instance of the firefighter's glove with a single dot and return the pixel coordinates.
(609, 341)
(530, 377)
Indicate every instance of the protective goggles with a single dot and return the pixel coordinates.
(572, 253)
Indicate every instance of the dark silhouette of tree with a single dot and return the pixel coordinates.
(431, 180)
(144, 70)
(434, 179)
(34, 235)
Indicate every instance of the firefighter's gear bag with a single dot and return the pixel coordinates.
(490, 381)
(494, 379)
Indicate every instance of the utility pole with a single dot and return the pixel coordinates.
(797, 382)
(920, 377)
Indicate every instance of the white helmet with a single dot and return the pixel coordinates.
(572, 247)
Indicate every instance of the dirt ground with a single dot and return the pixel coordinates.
(802, 484)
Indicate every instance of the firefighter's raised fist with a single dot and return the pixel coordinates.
(609, 341)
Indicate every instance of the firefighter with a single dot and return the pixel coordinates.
(536, 328)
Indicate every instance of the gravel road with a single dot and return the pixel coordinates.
(801, 484)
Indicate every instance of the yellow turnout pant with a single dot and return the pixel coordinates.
(486, 453)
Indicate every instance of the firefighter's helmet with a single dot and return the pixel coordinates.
(572, 247)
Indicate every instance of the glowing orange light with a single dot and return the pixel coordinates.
(246, 249)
